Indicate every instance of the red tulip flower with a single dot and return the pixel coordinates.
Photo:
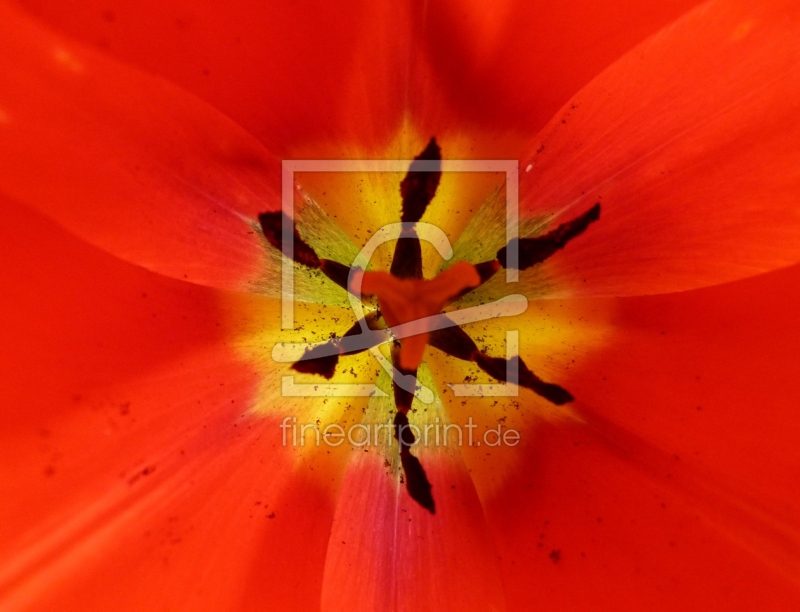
(143, 462)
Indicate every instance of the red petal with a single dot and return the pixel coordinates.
(363, 66)
(580, 529)
(387, 552)
(126, 445)
(691, 144)
(78, 318)
(130, 163)
(682, 486)
(290, 72)
(512, 68)
(120, 420)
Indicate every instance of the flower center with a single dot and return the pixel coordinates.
(412, 307)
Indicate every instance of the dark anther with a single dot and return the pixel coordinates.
(373, 321)
(402, 398)
(323, 358)
(417, 481)
(407, 260)
(317, 360)
(402, 430)
(272, 226)
(536, 250)
(419, 186)
(486, 269)
(500, 368)
(337, 272)
(455, 342)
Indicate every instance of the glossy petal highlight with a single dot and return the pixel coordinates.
(129, 162)
(294, 74)
(692, 145)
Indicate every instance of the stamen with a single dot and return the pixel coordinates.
(417, 484)
(321, 360)
(455, 342)
(419, 186)
(407, 260)
(335, 271)
(418, 189)
(402, 398)
(487, 269)
(272, 226)
(499, 367)
(316, 360)
(402, 430)
(373, 321)
(302, 253)
(536, 250)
